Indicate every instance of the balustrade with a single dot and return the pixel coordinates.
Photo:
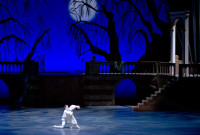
(11, 67)
(131, 68)
(189, 70)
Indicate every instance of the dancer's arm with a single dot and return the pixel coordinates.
(72, 107)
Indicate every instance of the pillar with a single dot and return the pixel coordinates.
(194, 29)
(199, 31)
(186, 48)
(173, 43)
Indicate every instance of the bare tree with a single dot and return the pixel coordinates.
(158, 47)
(120, 16)
(15, 28)
(77, 30)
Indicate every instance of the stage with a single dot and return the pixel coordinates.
(99, 120)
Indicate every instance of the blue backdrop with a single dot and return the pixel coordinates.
(62, 56)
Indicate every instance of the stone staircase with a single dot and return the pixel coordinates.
(146, 104)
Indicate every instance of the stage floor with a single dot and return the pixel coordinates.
(99, 120)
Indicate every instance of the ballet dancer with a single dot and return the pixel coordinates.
(69, 117)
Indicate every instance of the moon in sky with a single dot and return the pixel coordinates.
(75, 10)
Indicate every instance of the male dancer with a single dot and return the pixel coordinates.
(69, 117)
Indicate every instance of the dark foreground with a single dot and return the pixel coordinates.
(104, 120)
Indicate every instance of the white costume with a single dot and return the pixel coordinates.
(69, 117)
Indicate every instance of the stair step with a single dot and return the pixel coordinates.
(145, 104)
(156, 92)
(164, 86)
(135, 108)
(149, 99)
(143, 101)
(140, 104)
(161, 89)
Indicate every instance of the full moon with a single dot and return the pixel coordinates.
(78, 11)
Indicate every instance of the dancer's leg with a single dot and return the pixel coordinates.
(73, 120)
(71, 125)
(77, 126)
(63, 124)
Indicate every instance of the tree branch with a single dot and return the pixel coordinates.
(6, 9)
(37, 41)
(83, 53)
(144, 35)
(161, 5)
(85, 4)
(146, 23)
(93, 49)
(155, 14)
(12, 36)
(92, 23)
(125, 14)
(10, 19)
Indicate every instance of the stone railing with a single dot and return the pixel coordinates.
(11, 67)
(95, 68)
(189, 70)
(17, 67)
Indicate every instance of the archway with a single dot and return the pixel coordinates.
(179, 38)
(125, 93)
(182, 16)
(4, 93)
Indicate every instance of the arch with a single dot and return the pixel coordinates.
(179, 37)
(182, 16)
(125, 92)
(176, 50)
(176, 20)
(4, 90)
(14, 86)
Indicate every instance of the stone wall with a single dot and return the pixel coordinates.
(58, 90)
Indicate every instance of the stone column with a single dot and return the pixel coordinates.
(173, 43)
(183, 45)
(186, 51)
(199, 31)
(92, 67)
(186, 42)
(194, 28)
(173, 47)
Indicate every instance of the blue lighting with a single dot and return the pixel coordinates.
(4, 91)
(62, 56)
(125, 89)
